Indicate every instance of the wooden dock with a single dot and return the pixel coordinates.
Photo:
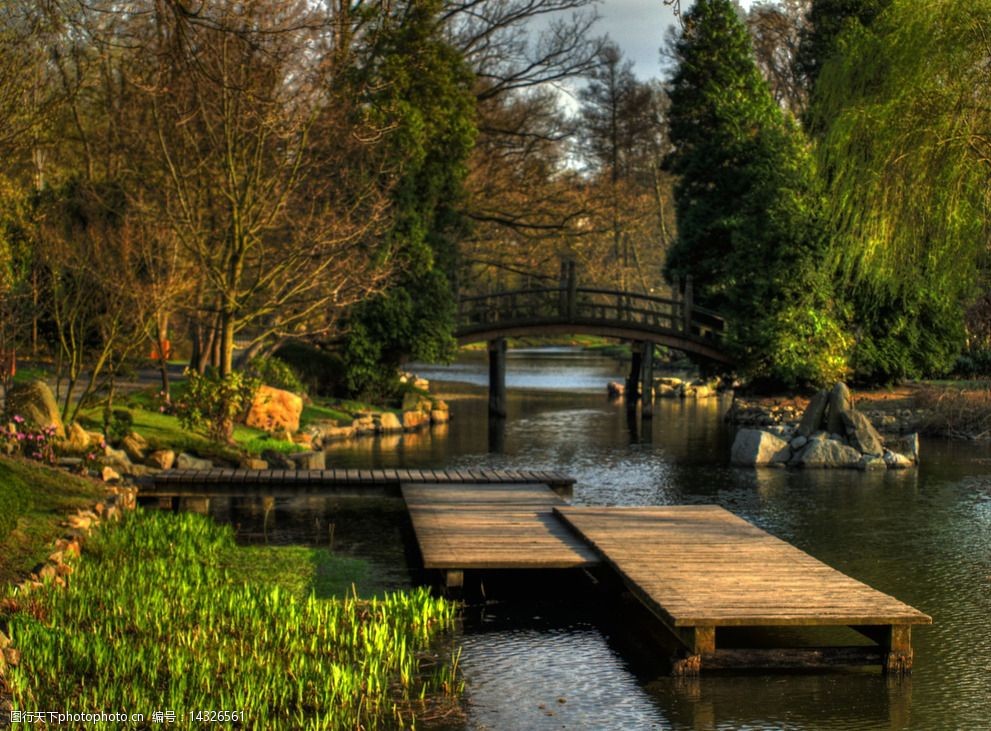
(221, 482)
(492, 526)
(698, 568)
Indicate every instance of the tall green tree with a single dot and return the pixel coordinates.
(426, 94)
(906, 109)
(827, 19)
(746, 206)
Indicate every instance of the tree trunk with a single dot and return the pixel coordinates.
(226, 344)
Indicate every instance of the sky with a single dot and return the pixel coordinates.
(639, 27)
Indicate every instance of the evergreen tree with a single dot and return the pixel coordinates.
(746, 206)
(827, 19)
(426, 95)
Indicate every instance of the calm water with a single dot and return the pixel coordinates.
(923, 536)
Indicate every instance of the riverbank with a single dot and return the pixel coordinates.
(952, 409)
(165, 611)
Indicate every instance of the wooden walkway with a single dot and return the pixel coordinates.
(701, 567)
(492, 526)
(180, 483)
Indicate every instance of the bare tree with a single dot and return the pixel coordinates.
(776, 29)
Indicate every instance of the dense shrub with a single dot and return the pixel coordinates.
(212, 404)
(277, 373)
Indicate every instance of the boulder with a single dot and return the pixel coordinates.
(116, 457)
(278, 460)
(364, 423)
(35, 403)
(415, 420)
(109, 474)
(163, 459)
(812, 418)
(338, 432)
(839, 401)
(309, 460)
(665, 391)
(274, 408)
(614, 389)
(753, 448)
(669, 381)
(871, 463)
(386, 422)
(439, 417)
(861, 433)
(896, 461)
(189, 462)
(253, 463)
(798, 442)
(77, 439)
(828, 453)
(136, 446)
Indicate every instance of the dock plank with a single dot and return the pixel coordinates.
(703, 566)
(492, 526)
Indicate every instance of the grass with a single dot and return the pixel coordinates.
(33, 500)
(320, 412)
(160, 613)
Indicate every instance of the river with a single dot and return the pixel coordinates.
(923, 536)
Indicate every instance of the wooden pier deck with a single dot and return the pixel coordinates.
(492, 526)
(698, 568)
(220, 482)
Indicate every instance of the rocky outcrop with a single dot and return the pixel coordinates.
(668, 387)
(615, 389)
(163, 459)
(386, 422)
(35, 403)
(415, 420)
(753, 447)
(830, 434)
(273, 409)
(135, 446)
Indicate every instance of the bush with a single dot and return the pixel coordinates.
(212, 404)
(119, 424)
(277, 373)
(320, 372)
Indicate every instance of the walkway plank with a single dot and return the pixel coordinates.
(492, 526)
(702, 566)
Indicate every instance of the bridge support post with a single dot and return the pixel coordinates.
(633, 380)
(688, 295)
(497, 377)
(647, 381)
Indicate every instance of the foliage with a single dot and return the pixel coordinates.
(431, 103)
(827, 20)
(213, 403)
(956, 412)
(33, 501)
(33, 442)
(320, 371)
(746, 205)
(904, 106)
(157, 615)
(119, 425)
(277, 373)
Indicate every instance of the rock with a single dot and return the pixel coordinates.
(839, 401)
(12, 656)
(896, 461)
(281, 434)
(414, 401)
(615, 389)
(666, 391)
(338, 432)
(116, 457)
(421, 384)
(669, 381)
(912, 447)
(386, 421)
(413, 420)
(871, 463)
(702, 391)
(861, 433)
(35, 403)
(439, 417)
(364, 423)
(814, 413)
(136, 446)
(278, 460)
(274, 408)
(753, 448)
(253, 463)
(163, 459)
(798, 442)
(827, 453)
(70, 463)
(141, 470)
(309, 460)
(77, 439)
(189, 462)
(109, 474)
(314, 434)
(4, 641)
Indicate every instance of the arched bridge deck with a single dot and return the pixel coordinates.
(569, 309)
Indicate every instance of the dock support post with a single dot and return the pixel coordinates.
(701, 641)
(497, 377)
(647, 378)
(454, 579)
(633, 380)
(898, 650)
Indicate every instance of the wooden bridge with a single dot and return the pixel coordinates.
(697, 569)
(644, 319)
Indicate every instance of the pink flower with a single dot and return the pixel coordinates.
(18, 419)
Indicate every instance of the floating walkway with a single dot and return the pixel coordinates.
(696, 568)
(219, 482)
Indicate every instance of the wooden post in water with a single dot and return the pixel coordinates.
(633, 380)
(497, 377)
(687, 305)
(647, 381)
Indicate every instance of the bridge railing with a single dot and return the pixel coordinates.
(587, 305)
